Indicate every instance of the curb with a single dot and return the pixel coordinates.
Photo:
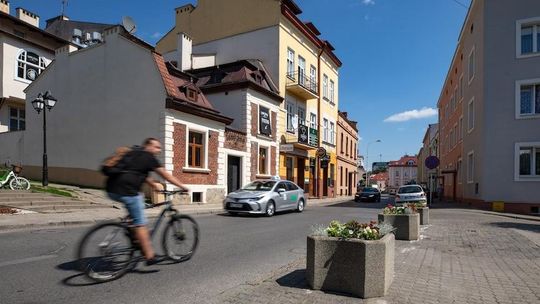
(511, 215)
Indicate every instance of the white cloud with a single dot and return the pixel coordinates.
(412, 114)
(156, 35)
(368, 2)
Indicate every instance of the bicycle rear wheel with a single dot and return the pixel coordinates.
(180, 238)
(19, 183)
(106, 252)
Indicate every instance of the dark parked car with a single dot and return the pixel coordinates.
(368, 194)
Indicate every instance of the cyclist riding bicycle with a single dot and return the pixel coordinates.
(124, 185)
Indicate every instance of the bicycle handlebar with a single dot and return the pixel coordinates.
(171, 192)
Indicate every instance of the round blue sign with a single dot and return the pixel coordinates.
(432, 162)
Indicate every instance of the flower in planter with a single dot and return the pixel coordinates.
(354, 229)
(399, 210)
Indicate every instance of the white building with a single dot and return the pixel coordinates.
(117, 93)
(402, 171)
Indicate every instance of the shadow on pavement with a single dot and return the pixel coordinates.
(520, 226)
(295, 279)
(353, 204)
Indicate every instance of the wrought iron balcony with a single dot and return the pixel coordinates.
(302, 85)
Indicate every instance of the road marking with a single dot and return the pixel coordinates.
(28, 260)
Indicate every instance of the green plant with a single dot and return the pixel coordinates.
(356, 230)
(52, 190)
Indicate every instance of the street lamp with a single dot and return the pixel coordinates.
(367, 160)
(42, 102)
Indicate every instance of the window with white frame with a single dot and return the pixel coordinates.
(471, 64)
(451, 139)
(325, 130)
(331, 91)
(313, 120)
(290, 63)
(470, 116)
(332, 133)
(397, 173)
(17, 119)
(528, 37)
(301, 116)
(528, 98)
(470, 167)
(29, 65)
(291, 116)
(301, 70)
(528, 161)
(460, 171)
(460, 127)
(313, 78)
(325, 86)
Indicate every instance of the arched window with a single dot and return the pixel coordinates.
(30, 65)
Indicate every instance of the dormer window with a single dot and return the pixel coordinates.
(410, 163)
(29, 65)
(191, 94)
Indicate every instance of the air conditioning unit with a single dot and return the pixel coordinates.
(96, 37)
(77, 35)
(87, 38)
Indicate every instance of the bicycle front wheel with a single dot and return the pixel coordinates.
(180, 238)
(106, 252)
(19, 183)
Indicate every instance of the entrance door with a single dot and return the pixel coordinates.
(233, 173)
(351, 183)
(301, 167)
(289, 163)
(325, 182)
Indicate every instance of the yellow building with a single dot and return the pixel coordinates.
(302, 64)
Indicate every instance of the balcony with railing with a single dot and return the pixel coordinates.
(302, 85)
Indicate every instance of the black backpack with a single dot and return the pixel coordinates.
(116, 164)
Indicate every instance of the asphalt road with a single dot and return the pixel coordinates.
(38, 266)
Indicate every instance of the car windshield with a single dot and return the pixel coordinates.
(369, 190)
(410, 189)
(260, 186)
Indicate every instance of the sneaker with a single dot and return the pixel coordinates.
(151, 262)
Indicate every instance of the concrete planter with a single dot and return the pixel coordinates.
(362, 268)
(424, 215)
(407, 225)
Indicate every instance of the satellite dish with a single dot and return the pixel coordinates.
(129, 25)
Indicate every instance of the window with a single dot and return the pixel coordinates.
(452, 104)
(528, 98)
(325, 86)
(470, 167)
(290, 63)
(471, 65)
(461, 88)
(196, 150)
(191, 94)
(17, 119)
(29, 65)
(451, 139)
(527, 161)
(263, 160)
(291, 116)
(455, 135)
(354, 151)
(331, 91)
(301, 70)
(397, 173)
(301, 116)
(197, 197)
(341, 175)
(313, 78)
(313, 120)
(460, 128)
(332, 133)
(341, 143)
(459, 171)
(325, 129)
(528, 37)
(291, 186)
(470, 116)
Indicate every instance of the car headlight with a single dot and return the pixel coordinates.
(371, 195)
(252, 199)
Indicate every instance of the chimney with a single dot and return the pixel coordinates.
(4, 6)
(27, 16)
(185, 50)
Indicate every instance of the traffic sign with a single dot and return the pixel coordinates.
(432, 162)
(321, 152)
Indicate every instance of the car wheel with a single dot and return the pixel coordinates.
(301, 205)
(270, 208)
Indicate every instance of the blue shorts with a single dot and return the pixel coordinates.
(134, 206)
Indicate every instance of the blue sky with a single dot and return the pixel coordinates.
(395, 55)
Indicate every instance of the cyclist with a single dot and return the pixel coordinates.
(125, 187)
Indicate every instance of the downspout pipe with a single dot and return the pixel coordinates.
(317, 162)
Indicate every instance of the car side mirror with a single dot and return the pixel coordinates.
(281, 191)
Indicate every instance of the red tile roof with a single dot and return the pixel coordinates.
(402, 162)
(383, 176)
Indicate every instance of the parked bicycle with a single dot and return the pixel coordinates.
(15, 181)
(109, 250)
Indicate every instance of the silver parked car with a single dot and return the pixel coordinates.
(410, 194)
(266, 197)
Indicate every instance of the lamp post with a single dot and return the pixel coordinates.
(44, 102)
(367, 160)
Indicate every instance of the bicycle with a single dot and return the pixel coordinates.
(15, 181)
(115, 244)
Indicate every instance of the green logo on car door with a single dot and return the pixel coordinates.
(294, 197)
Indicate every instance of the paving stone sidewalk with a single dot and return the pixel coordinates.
(462, 257)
